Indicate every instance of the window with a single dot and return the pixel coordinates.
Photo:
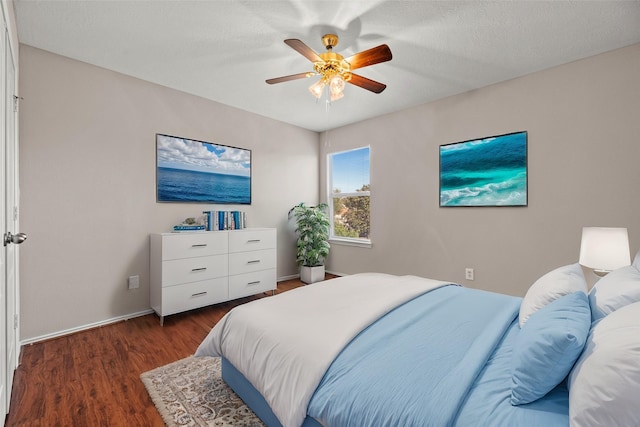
(349, 195)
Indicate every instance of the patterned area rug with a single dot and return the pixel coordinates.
(191, 392)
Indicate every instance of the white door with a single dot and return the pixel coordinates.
(11, 218)
(4, 392)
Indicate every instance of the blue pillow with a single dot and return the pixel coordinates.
(547, 347)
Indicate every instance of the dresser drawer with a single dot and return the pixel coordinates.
(178, 271)
(243, 285)
(251, 240)
(193, 295)
(188, 245)
(246, 262)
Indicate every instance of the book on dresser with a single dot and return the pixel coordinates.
(196, 269)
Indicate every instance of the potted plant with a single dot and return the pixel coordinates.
(312, 227)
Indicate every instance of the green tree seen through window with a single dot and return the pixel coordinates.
(352, 214)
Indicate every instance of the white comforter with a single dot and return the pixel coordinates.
(284, 344)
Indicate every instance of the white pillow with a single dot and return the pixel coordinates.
(604, 384)
(615, 290)
(553, 285)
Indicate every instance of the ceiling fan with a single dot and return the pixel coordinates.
(334, 69)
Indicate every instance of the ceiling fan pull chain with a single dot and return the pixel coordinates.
(327, 102)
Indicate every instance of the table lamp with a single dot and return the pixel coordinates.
(604, 249)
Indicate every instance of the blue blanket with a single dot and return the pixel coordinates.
(419, 361)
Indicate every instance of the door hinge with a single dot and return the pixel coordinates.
(15, 321)
(15, 102)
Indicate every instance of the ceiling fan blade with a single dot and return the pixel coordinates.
(367, 84)
(303, 49)
(291, 77)
(375, 55)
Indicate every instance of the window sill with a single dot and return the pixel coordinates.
(350, 242)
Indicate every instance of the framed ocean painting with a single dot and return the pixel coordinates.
(191, 171)
(490, 171)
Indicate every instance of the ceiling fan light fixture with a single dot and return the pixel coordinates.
(336, 85)
(317, 88)
(336, 96)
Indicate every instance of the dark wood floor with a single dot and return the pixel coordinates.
(92, 378)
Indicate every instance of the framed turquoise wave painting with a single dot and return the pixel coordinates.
(490, 171)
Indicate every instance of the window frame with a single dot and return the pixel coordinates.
(347, 241)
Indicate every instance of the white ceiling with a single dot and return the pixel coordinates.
(224, 50)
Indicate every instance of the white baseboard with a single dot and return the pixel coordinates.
(291, 277)
(84, 327)
(297, 276)
(336, 273)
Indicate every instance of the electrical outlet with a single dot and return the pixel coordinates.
(134, 282)
(468, 273)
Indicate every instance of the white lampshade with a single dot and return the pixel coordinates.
(604, 248)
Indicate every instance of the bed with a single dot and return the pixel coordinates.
(375, 349)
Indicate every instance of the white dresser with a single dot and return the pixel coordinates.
(192, 270)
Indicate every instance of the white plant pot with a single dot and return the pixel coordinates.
(312, 274)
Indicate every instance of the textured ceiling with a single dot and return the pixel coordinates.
(224, 50)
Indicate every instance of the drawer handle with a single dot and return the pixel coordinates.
(199, 269)
(257, 282)
(201, 245)
(199, 294)
(255, 261)
(253, 241)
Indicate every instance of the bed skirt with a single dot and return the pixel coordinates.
(253, 398)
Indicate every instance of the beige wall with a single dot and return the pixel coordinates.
(87, 174)
(88, 180)
(583, 123)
